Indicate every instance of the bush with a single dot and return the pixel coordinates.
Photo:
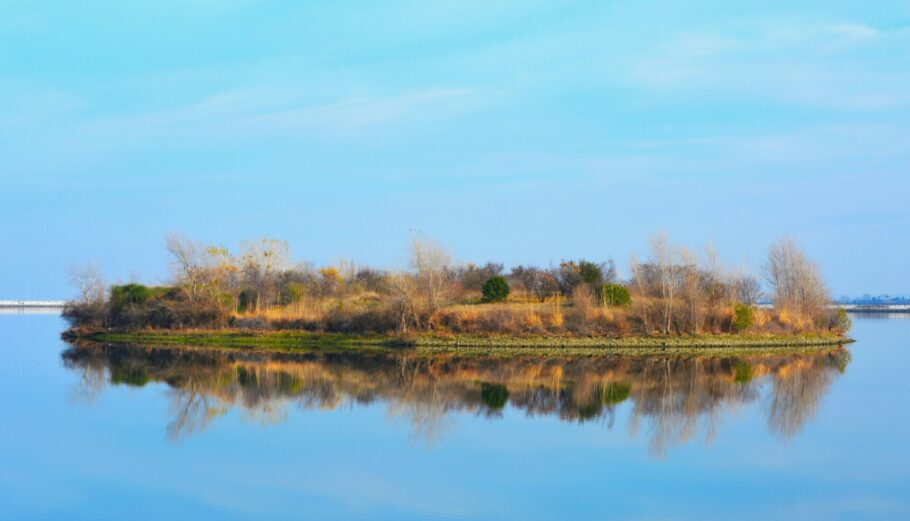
(590, 273)
(85, 314)
(495, 289)
(743, 317)
(840, 321)
(122, 296)
(247, 300)
(615, 295)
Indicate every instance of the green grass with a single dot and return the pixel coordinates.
(492, 345)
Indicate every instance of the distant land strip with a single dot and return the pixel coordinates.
(31, 303)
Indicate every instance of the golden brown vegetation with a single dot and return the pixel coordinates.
(672, 292)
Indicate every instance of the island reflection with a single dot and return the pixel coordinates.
(672, 399)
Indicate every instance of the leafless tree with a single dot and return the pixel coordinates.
(432, 264)
(200, 270)
(662, 258)
(692, 286)
(537, 282)
(262, 261)
(796, 281)
(640, 284)
(406, 289)
(89, 281)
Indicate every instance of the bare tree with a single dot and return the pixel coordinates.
(692, 287)
(200, 270)
(432, 263)
(406, 289)
(662, 258)
(89, 281)
(747, 288)
(640, 280)
(796, 281)
(262, 261)
(535, 281)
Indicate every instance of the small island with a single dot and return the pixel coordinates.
(675, 301)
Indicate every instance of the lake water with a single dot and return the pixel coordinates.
(130, 433)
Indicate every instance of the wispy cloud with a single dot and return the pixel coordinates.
(817, 64)
(223, 117)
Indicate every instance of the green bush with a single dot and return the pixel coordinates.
(615, 295)
(840, 321)
(291, 293)
(130, 293)
(743, 317)
(590, 273)
(495, 289)
(247, 300)
(127, 294)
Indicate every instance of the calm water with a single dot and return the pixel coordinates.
(127, 433)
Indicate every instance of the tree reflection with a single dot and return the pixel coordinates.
(671, 399)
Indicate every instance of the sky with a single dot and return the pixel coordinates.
(517, 132)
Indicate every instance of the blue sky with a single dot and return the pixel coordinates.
(517, 132)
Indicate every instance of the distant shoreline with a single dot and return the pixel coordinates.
(875, 308)
(32, 304)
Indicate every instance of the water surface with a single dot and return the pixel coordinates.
(117, 431)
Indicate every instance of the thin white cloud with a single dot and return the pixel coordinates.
(802, 64)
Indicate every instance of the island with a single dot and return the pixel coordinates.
(673, 301)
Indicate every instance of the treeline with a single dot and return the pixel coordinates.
(672, 291)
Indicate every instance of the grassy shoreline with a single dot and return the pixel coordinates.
(492, 345)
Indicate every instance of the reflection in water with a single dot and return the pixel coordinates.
(672, 399)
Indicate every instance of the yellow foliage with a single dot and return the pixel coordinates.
(533, 321)
(330, 274)
(556, 319)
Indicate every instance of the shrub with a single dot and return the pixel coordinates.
(246, 300)
(615, 295)
(743, 317)
(495, 289)
(292, 293)
(840, 321)
(122, 296)
(583, 301)
(91, 314)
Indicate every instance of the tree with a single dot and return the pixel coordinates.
(472, 276)
(796, 282)
(89, 281)
(495, 289)
(572, 273)
(691, 278)
(262, 261)
(615, 295)
(200, 271)
(432, 264)
(90, 307)
(535, 281)
(748, 289)
(667, 273)
(406, 289)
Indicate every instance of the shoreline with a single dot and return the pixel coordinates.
(492, 345)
